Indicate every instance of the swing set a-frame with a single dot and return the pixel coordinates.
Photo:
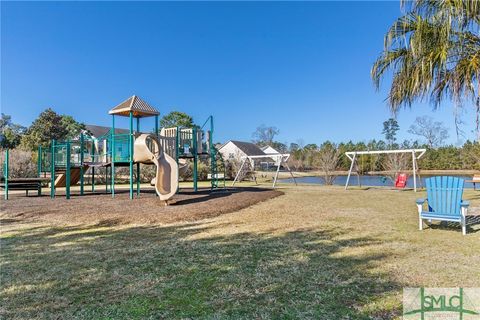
(415, 153)
(280, 159)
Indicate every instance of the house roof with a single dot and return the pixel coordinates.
(266, 147)
(98, 131)
(248, 148)
(137, 106)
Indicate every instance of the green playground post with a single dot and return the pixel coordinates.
(52, 170)
(39, 161)
(213, 158)
(106, 180)
(138, 164)
(195, 159)
(5, 173)
(112, 188)
(93, 168)
(39, 168)
(67, 170)
(82, 141)
(130, 146)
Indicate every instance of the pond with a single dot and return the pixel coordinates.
(368, 180)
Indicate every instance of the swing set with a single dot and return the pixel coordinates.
(401, 179)
(280, 159)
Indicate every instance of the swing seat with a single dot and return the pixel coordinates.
(401, 181)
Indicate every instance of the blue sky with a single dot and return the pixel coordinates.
(300, 66)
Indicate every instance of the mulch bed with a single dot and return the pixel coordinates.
(101, 209)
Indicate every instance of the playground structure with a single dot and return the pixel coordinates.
(168, 149)
(353, 156)
(280, 159)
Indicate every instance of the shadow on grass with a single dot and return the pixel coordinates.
(164, 272)
(472, 222)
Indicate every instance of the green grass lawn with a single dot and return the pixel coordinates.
(316, 252)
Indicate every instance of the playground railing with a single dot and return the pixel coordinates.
(120, 145)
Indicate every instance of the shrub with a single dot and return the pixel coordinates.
(22, 164)
(327, 161)
(203, 169)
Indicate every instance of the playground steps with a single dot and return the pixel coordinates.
(61, 179)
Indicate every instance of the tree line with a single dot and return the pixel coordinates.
(327, 156)
(50, 125)
(330, 156)
(309, 157)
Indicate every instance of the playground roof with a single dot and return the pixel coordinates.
(137, 106)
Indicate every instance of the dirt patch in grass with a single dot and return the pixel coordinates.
(102, 209)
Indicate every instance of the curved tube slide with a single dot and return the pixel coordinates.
(147, 150)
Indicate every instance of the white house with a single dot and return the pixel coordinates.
(234, 151)
(270, 150)
(101, 147)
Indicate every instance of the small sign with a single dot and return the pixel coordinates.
(441, 303)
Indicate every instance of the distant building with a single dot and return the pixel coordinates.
(101, 146)
(99, 131)
(234, 151)
(271, 150)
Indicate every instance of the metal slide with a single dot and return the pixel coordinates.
(147, 150)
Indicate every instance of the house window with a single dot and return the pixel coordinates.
(231, 155)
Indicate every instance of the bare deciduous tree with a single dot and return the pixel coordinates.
(21, 164)
(264, 135)
(434, 132)
(396, 163)
(327, 159)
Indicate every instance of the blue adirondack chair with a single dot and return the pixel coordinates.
(444, 199)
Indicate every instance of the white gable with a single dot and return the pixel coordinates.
(270, 150)
(230, 151)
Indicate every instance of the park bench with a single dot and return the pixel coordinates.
(26, 184)
(475, 180)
